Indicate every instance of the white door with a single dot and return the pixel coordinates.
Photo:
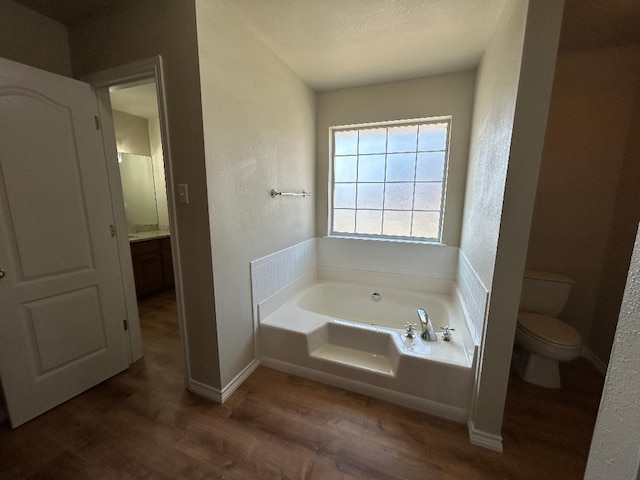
(61, 299)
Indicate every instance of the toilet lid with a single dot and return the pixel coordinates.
(549, 329)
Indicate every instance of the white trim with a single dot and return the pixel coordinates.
(418, 122)
(428, 406)
(134, 72)
(594, 360)
(218, 395)
(484, 439)
(205, 391)
(233, 385)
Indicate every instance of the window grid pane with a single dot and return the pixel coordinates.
(398, 190)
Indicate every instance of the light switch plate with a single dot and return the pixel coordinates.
(183, 193)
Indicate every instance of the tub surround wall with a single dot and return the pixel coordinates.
(273, 273)
(511, 102)
(439, 95)
(404, 259)
(474, 296)
(409, 266)
(259, 134)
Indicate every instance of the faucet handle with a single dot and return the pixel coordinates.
(446, 336)
(410, 330)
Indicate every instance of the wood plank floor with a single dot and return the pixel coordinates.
(143, 424)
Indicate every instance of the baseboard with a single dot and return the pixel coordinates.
(484, 439)
(428, 406)
(218, 395)
(205, 390)
(599, 365)
(239, 379)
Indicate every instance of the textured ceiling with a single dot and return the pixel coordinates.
(338, 43)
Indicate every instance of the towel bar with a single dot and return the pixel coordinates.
(304, 193)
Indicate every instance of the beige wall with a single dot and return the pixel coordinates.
(615, 447)
(440, 95)
(259, 127)
(132, 133)
(514, 87)
(584, 219)
(619, 244)
(493, 114)
(33, 39)
(142, 29)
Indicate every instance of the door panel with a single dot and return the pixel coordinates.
(61, 299)
(51, 319)
(53, 191)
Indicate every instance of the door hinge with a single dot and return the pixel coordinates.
(95, 117)
(125, 324)
(112, 229)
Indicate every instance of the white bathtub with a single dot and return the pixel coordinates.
(336, 333)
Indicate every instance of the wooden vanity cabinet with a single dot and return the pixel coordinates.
(167, 262)
(152, 265)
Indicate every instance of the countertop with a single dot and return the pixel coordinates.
(150, 235)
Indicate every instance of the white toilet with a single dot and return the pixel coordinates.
(543, 339)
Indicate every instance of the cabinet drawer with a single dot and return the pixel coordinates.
(147, 246)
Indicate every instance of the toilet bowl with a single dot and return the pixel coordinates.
(543, 340)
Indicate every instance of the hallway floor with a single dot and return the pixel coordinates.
(143, 424)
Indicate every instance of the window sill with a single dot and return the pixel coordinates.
(433, 243)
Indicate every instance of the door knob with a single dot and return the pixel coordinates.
(1, 273)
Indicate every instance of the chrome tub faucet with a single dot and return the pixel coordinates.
(428, 333)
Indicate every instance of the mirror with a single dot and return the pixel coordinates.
(139, 192)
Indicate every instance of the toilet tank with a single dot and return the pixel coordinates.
(544, 292)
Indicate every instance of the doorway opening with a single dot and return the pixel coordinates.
(132, 104)
(136, 123)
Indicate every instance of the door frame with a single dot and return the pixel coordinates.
(145, 69)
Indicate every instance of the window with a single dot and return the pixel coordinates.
(389, 179)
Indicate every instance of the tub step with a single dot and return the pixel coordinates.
(354, 358)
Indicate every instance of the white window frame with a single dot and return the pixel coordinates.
(389, 124)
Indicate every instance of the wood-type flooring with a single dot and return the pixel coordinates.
(142, 423)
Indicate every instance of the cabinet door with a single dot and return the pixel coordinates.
(147, 267)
